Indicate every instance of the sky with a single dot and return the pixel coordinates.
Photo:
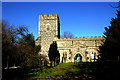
(79, 18)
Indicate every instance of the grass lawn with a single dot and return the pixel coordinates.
(80, 71)
(66, 70)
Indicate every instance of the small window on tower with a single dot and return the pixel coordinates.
(72, 42)
(69, 57)
(48, 27)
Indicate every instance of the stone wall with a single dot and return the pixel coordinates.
(49, 31)
(86, 47)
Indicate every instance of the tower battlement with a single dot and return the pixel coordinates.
(84, 38)
(49, 31)
(50, 16)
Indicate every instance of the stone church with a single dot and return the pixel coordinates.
(70, 49)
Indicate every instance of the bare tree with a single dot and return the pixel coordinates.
(67, 34)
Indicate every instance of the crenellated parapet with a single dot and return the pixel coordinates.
(49, 31)
(84, 38)
(50, 16)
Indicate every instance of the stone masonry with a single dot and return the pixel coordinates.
(49, 31)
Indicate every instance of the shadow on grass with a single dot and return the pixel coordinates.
(80, 71)
(19, 73)
(108, 70)
(94, 71)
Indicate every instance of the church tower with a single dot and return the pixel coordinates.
(49, 28)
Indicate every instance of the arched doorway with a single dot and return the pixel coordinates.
(78, 58)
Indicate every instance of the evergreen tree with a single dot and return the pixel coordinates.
(110, 49)
(53, 53)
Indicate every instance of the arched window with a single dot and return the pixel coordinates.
(65, 55)
(48, 27)
(70, 52)
(78, 58)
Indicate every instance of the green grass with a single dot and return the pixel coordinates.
(65, 70)
(83, 71)
(59, 70)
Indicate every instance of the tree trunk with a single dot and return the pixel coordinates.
(7, 65)
(50, 64)
(14, 65)
(7, 62)
(54, 62)
(118, 58)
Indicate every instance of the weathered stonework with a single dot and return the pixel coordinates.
(49, 31)
(86, 47)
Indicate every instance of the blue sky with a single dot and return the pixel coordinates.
(79, 18)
